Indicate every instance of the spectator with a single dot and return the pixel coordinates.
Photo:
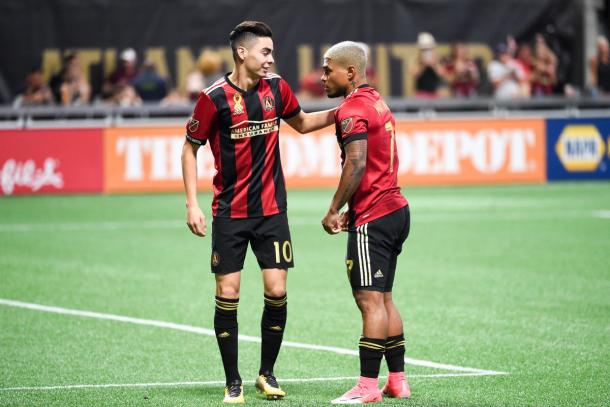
(122, 76)
(149, 85)
(428, 73)
(461, 71)
(74, 90)
(36, 92)
(58, 78)
(125, 96)
(505, 75)
(208, 70)
(544, 74)
(310, 86)
(599, 67)
(525, 61)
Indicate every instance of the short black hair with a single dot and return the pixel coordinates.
(247, 30)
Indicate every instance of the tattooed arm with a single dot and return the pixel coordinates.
(351, 175)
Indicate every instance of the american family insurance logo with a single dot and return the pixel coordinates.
(28, 175)
(580, 148)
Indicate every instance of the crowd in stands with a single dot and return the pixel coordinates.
(129, 84)
(528, 69)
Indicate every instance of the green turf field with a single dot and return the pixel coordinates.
(512, 279)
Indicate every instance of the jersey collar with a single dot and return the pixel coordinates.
(240, 90)
(364, 85)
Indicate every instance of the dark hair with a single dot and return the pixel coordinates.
(247, 30)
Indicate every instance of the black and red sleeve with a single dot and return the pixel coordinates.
(352, 123)
(199, 124)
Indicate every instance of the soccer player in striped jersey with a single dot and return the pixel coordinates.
(377, 220)
(239, 116)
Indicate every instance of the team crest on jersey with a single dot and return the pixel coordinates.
(215, 259)
(238, 107)
(347, 125)
(193, 125)
(269, 103)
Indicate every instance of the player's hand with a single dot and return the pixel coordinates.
(332, 222)
(343, 221)
(195, 220)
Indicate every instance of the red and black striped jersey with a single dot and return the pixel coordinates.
(364, 115)
(242, 128)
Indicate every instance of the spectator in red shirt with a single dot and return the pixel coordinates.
(462, 72)
(544, 75)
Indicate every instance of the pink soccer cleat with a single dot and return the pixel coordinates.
(397, 386)
(359, 394)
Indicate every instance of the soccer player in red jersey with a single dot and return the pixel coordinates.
(239, 115)
(377, 220)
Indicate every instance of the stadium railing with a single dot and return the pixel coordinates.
(154, 114)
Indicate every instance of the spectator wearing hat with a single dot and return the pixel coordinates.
(428, 72)
(122, 75)
(505, 74)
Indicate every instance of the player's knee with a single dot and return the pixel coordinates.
(227, 291)
(275, 291)
(369, 301)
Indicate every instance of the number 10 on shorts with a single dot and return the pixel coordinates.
(286, 251)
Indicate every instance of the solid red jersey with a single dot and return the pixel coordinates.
(242, 128)
(364, 115)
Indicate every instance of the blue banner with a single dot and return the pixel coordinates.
(578, 149)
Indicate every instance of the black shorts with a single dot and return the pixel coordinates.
(269, 237)
(373, 249)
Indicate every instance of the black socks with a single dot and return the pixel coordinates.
(273, 323)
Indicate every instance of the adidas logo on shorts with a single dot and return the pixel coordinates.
(378, 274)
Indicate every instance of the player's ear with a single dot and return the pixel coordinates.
(351, 73)
(242, 52)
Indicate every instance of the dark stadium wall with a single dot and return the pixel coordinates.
(172, 33)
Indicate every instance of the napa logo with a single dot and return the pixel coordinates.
(580, 148)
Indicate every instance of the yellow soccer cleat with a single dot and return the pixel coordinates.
(267, 385)
(234, 393)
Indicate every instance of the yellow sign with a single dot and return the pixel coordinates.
(580, 148)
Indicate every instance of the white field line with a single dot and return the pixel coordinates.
(423, 217)
(602, 214)
(210, 332)
(220, 382)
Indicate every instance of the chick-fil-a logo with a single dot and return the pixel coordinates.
(25, 174)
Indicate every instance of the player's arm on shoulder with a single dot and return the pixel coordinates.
(297, 118)
(195, 219)
(308, 122)
(351, 175)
